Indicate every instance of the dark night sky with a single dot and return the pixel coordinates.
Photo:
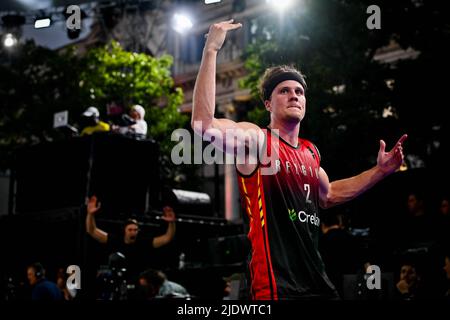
(27, 5)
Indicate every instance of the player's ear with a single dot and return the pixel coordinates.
(268, 105)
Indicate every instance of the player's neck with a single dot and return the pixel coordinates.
(288, 131)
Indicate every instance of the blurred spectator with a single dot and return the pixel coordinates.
(339, 249)
(61, 283)
(447, 274)
(132, 243)
(42, 289)
(409, 286)
(234, 287)
(90, 122)
(444, 223)
(444, 208)
(139, 128)
(418, 227)
(415, 204)
(154, 284)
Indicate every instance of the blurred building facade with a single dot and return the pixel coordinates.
(150, 31)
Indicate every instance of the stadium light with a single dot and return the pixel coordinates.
(280, 4)
(9, 40)
(181, 23)
(42, 22)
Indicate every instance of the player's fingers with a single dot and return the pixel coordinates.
(402, 139)
(382, 146)
(234, 26)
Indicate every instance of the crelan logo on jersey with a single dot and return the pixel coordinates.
(302, 216)
(292, 214)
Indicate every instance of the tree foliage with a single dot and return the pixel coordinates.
(38, 82)
(113, 74)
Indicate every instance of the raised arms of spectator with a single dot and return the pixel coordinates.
(92, 208)
(169, 216)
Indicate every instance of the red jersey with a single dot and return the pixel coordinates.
(284, 228)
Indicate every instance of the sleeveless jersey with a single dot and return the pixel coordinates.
(284, 224)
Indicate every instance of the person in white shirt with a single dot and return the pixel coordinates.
(137, 113)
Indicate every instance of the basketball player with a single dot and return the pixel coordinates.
(282, 204)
